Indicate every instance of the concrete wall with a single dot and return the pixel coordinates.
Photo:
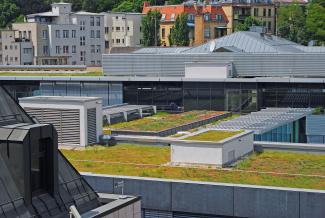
(215, 153)
(216, 198)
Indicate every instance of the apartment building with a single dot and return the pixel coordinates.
(238, 10)
(13, 50)
(61, 36)
(206, 22)
(122, 30)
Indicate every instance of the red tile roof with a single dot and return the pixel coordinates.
(168, 10)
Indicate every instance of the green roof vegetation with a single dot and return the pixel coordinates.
(280, 169)
(50, 74)
(213, 135)
(163, 120)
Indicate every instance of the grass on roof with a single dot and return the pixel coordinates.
(50, 74)
(213, 135)
(300, 170)
(163, 120)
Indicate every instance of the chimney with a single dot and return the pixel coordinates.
(146, 4)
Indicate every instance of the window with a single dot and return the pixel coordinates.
(74, 49)
(92, 21)
(207, 33)
(98, 34)
(97, 21)
(128, 28)
(163, 17)
(74, 34)
(82, 25)
(65, 49)
(93, 62)
(270, 12)
(45, 50)
(16, 58)
(57, 49)
(82, 56)
(117, 29)
(190, 17)
(264, 12)
(163, 33)
(116, 18)
(16, 47)
(98, 50)
(172, 17)
(99, 62)
(65, 34)
(106, 30)
(92, 34)
(92, 49)
(44, 34)
(118, 41)
(82, 40)
(29, 34)
(57, 33)
(106, 44)
(206, 17)
(269, 25)
(27, 50)
(255, 12)
(219, 18)
(123, 41)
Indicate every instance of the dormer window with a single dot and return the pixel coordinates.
(163, 17)
(172, 17)
(207, 17)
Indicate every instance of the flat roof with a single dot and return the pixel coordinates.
(114, 110)
(160, 79)
(265, 120)
(55, 99)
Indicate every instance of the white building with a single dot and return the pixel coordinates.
(122, 29)
(14, 51)
(61, 36)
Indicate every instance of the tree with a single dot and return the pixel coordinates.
(248, 22)
(291, 23)
(150, 26)
(8, 12)
(125, 6)
(179, 34)
(315, 21)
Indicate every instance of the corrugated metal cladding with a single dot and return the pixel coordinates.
(169, 214)
(245, 64)
(66, 122)
(91, 129)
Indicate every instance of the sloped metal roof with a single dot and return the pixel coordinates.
(161, 50)
(247, 41)
(265, 120)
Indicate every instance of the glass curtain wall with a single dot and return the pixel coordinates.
(111, 93)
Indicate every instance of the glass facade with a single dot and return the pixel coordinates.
(291, 132)
(241, 97)
(111, 93)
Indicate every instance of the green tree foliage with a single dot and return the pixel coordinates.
(248, 22)
(291, 23)
(8, 12)
(315, 21)
(179, 34)
(150, 26)
(175, 2)
(125, 6)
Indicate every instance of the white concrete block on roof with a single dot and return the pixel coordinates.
(78, 120)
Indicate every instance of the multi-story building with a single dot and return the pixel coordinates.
(212, 20)
(122, 29)
(14, 51)
(61, 36)
(206, 22)
(238, 10)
